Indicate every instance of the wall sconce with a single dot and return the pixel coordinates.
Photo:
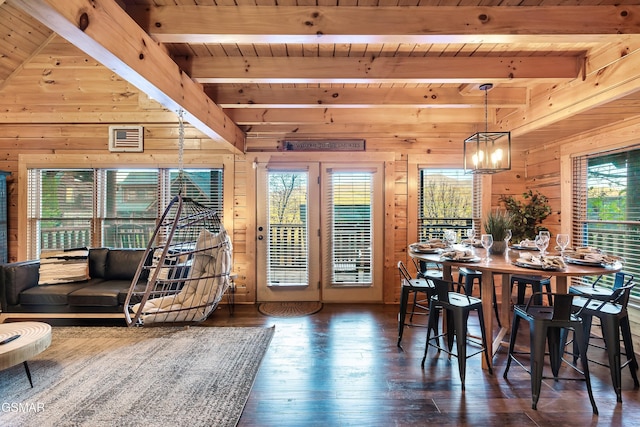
(487, 152)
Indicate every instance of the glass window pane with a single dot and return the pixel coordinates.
(288, 243)
(446, 202)
(607, 206)
(351, 201)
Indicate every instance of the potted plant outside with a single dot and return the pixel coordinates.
(497, 224)
(526, 214)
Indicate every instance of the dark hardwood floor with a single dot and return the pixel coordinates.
(341, 367)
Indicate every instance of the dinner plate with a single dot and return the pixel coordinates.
(535, 266)
(579, 261)
(465, 259)
(524, 248)
(417, 249)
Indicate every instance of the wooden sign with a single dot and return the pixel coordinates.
(322, 145)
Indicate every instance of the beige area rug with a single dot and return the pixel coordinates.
(153, 376)
(289, 309)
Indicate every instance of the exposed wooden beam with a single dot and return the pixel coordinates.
(105, 32)
(407, 24)
(371, 97)
(383, 69)
(457, 131)
(553, 103)
(398, 116)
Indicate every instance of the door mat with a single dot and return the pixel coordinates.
(289, 309)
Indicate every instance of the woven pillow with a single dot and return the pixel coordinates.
(64, 266)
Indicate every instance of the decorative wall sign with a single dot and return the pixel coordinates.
(322, 145)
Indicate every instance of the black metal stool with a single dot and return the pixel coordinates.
(614, 320)
(456, 307)
(468, 277)
(409, 285)
(547, 324)
(536, 283)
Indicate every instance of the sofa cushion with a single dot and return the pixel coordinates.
(122, 264)
(103, 294)
(16, 277)
(49, 294)
(98, 262)
(64, 266)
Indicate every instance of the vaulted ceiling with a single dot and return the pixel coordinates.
(254, 69)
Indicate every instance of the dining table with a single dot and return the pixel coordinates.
(505, 265)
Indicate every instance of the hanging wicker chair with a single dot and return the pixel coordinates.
(189, 274)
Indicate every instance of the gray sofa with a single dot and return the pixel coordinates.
(103, 295)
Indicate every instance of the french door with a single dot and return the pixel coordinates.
(319, 232)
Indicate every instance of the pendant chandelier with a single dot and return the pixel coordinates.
(487, 152)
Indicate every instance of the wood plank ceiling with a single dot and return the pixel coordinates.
(267, 69)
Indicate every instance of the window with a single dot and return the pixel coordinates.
(606, 205)
(448, 199)
(108, 207)
(350, 212)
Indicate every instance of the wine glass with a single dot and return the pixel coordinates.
(487, 242)
(563, 241)
(470, 234)
(508, 236)
(541, 243)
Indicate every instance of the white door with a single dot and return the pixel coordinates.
(319, 232)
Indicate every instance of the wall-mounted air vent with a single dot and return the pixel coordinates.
(125, 138)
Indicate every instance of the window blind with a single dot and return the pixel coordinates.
(606, 206)
(70, 208)
(350, 212)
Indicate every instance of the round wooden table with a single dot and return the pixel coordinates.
(503, 264)
(35, 337)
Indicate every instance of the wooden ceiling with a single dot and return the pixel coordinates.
(245, 70)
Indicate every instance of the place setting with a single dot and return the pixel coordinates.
(431, 246)
(542, 261)
(590, 256)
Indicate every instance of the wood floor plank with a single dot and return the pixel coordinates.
(341, 367)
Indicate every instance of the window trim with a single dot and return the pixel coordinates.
(101, 161)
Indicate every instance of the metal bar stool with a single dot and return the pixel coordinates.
(408, 286)
(536, 283)
(614, 320)
(547, 323)
(467, 278)
(456, 307)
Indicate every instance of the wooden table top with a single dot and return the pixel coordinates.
(504, 264)
(35, 337)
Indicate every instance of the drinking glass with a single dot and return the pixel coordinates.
(541, 243)
(563, 242)
(487, 242)
(507, 237)
(546, 234)
(470, 234)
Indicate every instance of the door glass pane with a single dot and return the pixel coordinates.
(288, 245)
(351, 228)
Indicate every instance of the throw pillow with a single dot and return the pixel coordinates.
(64, 266)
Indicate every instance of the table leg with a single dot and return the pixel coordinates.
(487, 310)
(561, 284)
(26, 369)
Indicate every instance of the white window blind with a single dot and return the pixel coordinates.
(449, 199)
(350, 212)
(606, 206)
(288, 244)
(60, 210)
(108, 207)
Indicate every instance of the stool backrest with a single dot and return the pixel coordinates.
(404, 273)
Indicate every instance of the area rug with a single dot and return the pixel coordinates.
(289, 309)
(152, 376)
